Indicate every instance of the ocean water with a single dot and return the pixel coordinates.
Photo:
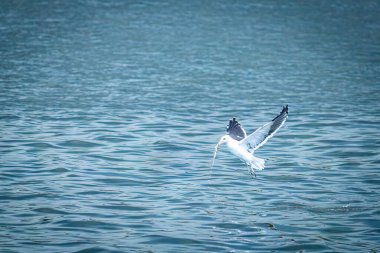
(109, 113)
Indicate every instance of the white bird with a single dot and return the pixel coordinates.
(244, 146)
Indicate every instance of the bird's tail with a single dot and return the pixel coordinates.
(257, 163)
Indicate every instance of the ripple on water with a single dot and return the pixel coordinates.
(79, 144)
(49, 210)
(108, 122)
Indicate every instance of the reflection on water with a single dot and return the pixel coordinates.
(110, 111)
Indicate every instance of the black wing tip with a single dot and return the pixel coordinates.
(285, 109)
(235, 130)
(233, 122)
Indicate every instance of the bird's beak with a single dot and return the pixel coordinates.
(218, 145)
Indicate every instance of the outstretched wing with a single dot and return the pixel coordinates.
(235, 130)
(262, 134)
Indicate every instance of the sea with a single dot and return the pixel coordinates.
(110, 111)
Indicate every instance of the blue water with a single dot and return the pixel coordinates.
(109, 113)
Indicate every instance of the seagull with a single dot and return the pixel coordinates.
(244, 146)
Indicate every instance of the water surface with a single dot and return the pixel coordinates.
(109, 113)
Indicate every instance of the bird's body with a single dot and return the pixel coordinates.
(244, 146)
(238, 150)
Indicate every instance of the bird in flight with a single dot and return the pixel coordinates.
(244, 146)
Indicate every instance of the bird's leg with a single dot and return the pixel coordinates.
(251, 170)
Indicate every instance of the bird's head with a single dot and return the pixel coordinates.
(222, 140)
